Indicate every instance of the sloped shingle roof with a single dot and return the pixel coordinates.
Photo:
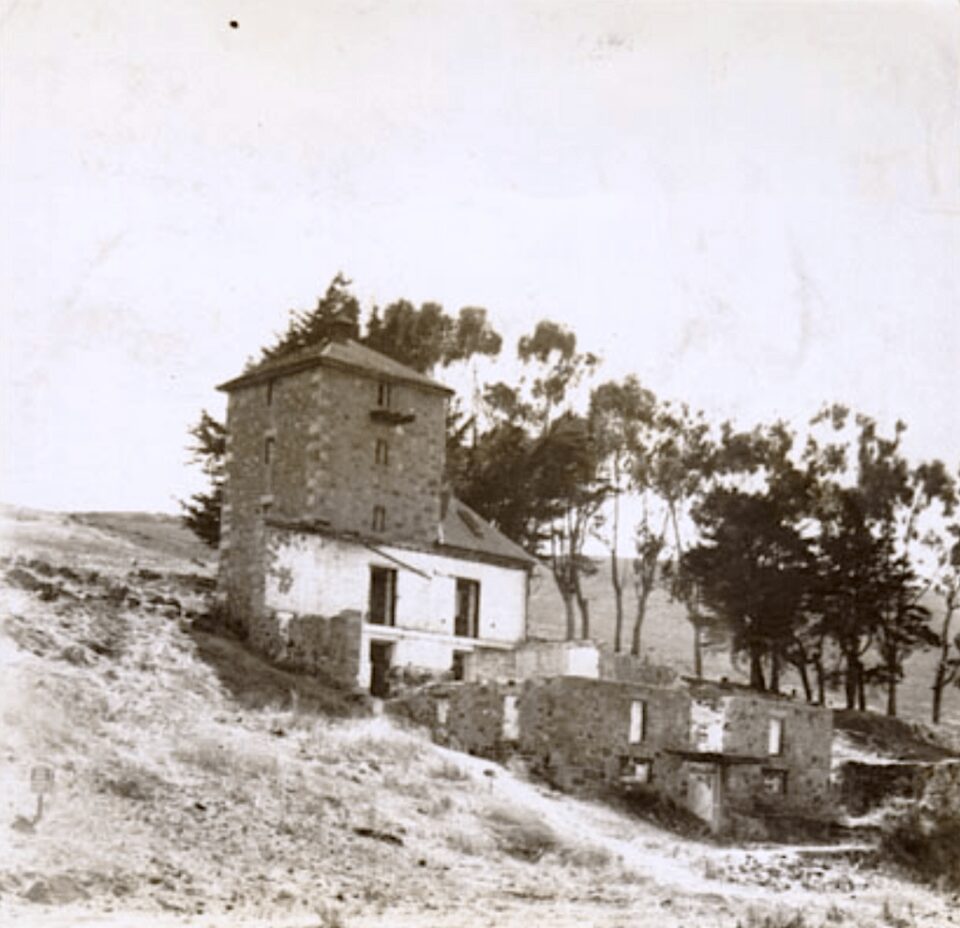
(461, 528)
(346, 354)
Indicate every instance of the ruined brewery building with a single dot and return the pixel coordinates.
(342, 553)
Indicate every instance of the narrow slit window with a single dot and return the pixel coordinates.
(776, 737)
(269, 392)
(269, 449)
(638, 720)
(379, 518)
(382, 453)
(384, 396)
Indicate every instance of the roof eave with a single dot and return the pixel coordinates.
(282, 370)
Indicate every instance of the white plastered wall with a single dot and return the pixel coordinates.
(312, 574)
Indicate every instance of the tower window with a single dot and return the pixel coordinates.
(384, 391)
(379, 518)
(775, 742)
(269, 392)
(382, 453)
(638, 721)
(269, 445)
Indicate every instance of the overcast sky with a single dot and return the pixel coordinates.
(755, 207)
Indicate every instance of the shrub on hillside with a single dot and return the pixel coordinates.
(927, 843)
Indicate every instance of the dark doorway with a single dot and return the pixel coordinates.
(383, 595)
(381, 655)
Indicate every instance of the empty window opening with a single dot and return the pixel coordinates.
(511, 719)
(775, 782)
(457, 668)
(382, 453)
(269, 446)
(443, 712)
(269, 392)
(383, 596)
(638, 721)
(265, 508)
(636, 771)
(381, 659)
(379, 518)
(467, 619)
(384, 395)
(775, 748)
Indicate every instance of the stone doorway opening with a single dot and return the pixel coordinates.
(381, 659)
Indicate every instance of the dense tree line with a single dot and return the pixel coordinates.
(809, 553)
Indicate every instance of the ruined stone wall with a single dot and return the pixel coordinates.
(324, 647)
(466, 717)
(534, 660)
(803, 758)
(864, 787)
(578, 730)
(345, 480)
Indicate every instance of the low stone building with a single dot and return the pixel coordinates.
(720, 750)
(341, 551)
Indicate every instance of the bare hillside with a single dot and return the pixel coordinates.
(196, 785)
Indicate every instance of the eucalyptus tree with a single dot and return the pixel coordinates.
(621, 417)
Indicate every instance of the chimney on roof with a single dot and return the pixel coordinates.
(342, 327)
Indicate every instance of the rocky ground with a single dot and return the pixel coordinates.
(194, 784)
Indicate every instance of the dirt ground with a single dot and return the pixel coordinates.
(195, 785)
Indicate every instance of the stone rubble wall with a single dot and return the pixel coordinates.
(325, 647)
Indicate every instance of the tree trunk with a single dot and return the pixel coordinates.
(821, 683)
(618, 600)
(805, 680)
(891, 662)
(939, 682)
(775, 673)
(642, 596)
(583, 604)
(570, 615)
(861, 693)
(941, 678)
(615, 565)
(851, 680)
(697, 650)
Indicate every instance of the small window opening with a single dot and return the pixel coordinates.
(457, 668)
(269, 392)
(265, 509)
(775, 782)
(466, 623)
(511, 718)
(776, 737)
(383, 596)
(268, 450)
(384, 391)
(382, 453)
(638, 721)
(379, 518)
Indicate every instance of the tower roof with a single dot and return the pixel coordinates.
(346, 355)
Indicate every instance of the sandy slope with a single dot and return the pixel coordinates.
(195, 785)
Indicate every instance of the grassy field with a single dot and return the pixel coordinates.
(194, 784)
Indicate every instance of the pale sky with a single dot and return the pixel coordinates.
(754, 207)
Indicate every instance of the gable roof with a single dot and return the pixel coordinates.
(463, 530)
(345, 355)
